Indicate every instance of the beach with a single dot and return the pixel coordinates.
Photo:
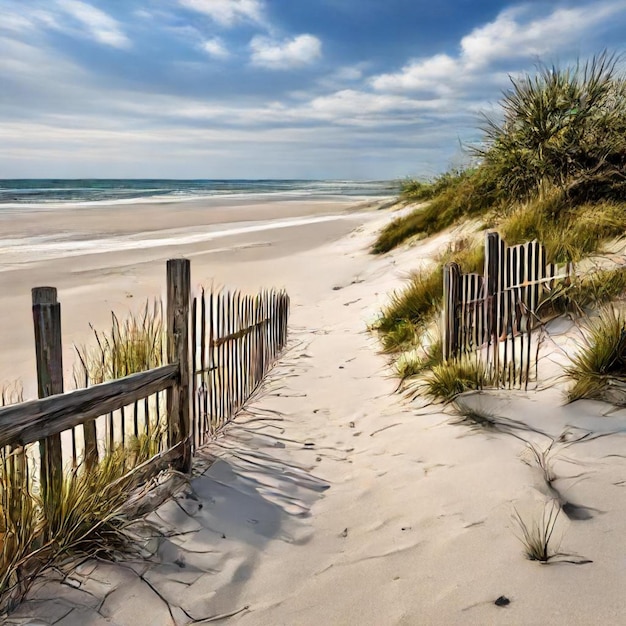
(332, 499)
(112, 258)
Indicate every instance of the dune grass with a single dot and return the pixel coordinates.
(582, 293)
(86, 519)
(412, 309)
(462, 195)
(447, 380)
(568, 234)
(135, 344)
(561, 130)
(602, 357)
(414, 362)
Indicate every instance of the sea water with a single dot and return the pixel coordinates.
(49, 193)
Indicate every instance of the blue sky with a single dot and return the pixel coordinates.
(364, 89)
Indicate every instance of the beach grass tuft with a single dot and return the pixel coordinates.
(537, 534)
(413, 309)
(419, 360)
(602, 357)
(85, 519)
(133, 345)
(449, 379)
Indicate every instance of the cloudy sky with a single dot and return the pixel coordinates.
(269, 88)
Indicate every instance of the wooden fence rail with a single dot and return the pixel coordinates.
(219, 346)
(32, 421)
(494, 316)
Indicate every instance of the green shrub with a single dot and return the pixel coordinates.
(562, 126)
(416, 190)
(562, 130)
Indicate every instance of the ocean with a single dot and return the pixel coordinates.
(48, 193)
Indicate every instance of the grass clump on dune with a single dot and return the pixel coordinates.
(449, 379)
(464, 194)
(593, 289)
(602, 358)
(412, 307)
(568, 234)
(86, 519)
(415, 362)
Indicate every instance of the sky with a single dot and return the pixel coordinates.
(343, 89)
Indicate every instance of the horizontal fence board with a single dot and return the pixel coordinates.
(32, 421)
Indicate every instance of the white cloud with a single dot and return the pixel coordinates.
(422, 75)
(215, 48)
(101, 26)
(228, 12)
(511, 36)
(277, 55)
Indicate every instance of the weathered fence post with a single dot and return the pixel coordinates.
(49, 354)
(492, 286)
(451, 280)
(178, 407)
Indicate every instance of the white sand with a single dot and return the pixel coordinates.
(334, 500)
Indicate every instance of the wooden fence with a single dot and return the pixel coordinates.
(494, 316)
(234, 350)
(218, 349)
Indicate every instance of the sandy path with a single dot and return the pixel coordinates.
(335, 501)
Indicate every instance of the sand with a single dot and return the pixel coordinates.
(334, 500)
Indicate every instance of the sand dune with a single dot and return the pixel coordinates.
(335, 500)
